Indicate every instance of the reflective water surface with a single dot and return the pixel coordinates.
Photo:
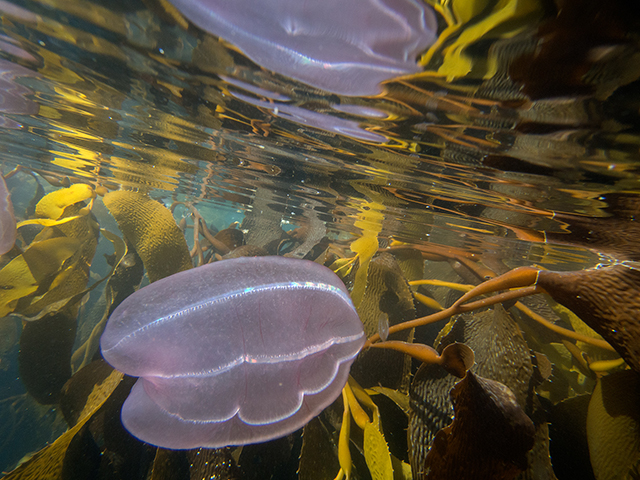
(515, 144)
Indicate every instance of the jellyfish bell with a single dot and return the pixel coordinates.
(235, 352)
(347, 48)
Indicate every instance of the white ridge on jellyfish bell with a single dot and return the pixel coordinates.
(345, 47)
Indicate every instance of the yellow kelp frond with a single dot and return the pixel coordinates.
(16, 281)
(613, 426)
(47, 257)
(151, 229)
(22, 276)
(52, 206)
(376, 453)
(357, 412)
(370, 222)
(441, 283)
(376, 450)
(344, 455)
(46, 222)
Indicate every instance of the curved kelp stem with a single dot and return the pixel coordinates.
(516, 278)
(596, 342)
(344, 455)
(513, 279)
(573, 335)
(456, 358)
(591, 292)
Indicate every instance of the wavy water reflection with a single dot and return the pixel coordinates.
(125, 98)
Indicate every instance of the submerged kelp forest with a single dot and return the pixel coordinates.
(467, 168)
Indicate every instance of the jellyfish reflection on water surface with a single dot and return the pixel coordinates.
(347, 48)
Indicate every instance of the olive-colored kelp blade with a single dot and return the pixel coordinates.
(568, 431)
(152, 230)
(76, 392)
(613, 426)
(44, 359)
(318, 460)
(606, 299)
(63, 291)
(488, 439)
(169, 465)
(122, 269)
(387, 293)
(49, 463)
(501, 354)
(429, 411)
(46, 257)
(410, 262)
(84, 228)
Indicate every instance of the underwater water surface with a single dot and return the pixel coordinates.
(500, 149)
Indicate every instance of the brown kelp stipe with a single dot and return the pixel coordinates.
(456, 358)
(516, 278)
(523, 278)
(605, 298)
